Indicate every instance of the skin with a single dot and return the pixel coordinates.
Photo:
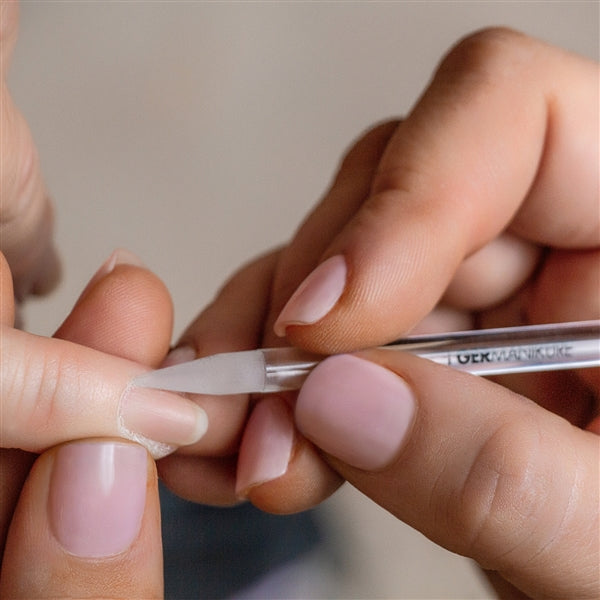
(502, 145)
(137, 572)
(517, 184)
(110, 320)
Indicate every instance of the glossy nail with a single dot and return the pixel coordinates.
(315, 296)
(356, 411)
(97, 497)
(267, 445)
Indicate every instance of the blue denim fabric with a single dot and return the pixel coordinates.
(213, 552)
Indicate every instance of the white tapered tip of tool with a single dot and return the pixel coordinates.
(228, 373)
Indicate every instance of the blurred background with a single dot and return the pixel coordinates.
(198, 134)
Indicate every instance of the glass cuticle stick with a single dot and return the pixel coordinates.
(498, 351)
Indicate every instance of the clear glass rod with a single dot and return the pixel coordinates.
(482, 352)
(498, 351)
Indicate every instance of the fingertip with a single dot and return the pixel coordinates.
(279, 471)
(356, 410)
(83, 526)
(88, 507)
(124, 310)
(316, 295)
(120, 256)
(308, 481)
(266, 446)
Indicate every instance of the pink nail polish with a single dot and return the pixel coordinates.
(97, 497)
(267, 445)
(315, 296)
(356, 411)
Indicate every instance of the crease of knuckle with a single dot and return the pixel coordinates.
(18, 175)
(407, 176)
(365, 153)
(498, 511)
(33, 394)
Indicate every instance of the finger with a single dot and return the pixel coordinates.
(125, 310)
(484, 150)
(87, 526)
(55, 391)
(475, 286)
(26, 217)
(209, 480)
(478, 469)
(113, 319)
(14, 464)
(565, 289)
(233, 321)
(278, 469)
(7, 299)
(9, 25)
(348, 192)
(14, 467)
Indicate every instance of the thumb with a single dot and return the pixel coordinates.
(89, 508)
(477, 468)
(460, 170)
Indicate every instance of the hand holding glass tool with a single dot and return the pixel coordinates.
(481, 352)
(481, 208)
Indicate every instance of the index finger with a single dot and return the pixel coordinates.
(503, 138)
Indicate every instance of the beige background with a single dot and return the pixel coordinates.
(199, 134)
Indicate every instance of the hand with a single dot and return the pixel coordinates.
(63, 541)
(43, 380)
(479, 209)
(57, 390)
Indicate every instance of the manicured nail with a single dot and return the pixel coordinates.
(356, 411)
(267, 445)
(119, 257)
(160, 420)
(97, 497)
(315, 296)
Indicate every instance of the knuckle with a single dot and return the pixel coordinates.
(507, 483)
(30, 385)
(368, 149)
(19, 176)
(483, 56)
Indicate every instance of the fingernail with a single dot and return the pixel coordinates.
(266, 446)
(120, 256)
(315, 296)
(356, 411)
(97, 497)
(178, 355)
(167, 419)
